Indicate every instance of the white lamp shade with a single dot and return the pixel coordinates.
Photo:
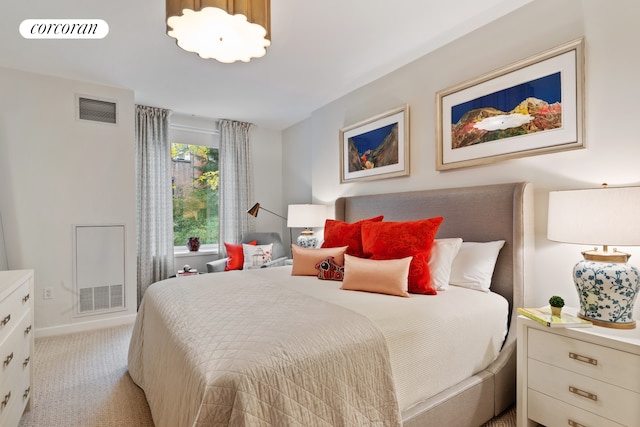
(603, 216)
(306, 216)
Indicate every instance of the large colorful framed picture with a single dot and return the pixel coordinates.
(376, 148)
(532, 107)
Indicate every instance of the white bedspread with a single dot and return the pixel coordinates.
(429, 343)
(434, 342)
(235, 349)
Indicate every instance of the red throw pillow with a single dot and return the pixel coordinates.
(339, 233)
(235, 255)
(392, 240)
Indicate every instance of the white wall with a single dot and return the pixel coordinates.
(612, 90)
(268, 180)
(297, 163)
(57, 171)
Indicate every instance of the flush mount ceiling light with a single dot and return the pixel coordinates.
(226, 30)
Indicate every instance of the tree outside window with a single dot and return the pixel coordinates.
(195, 179)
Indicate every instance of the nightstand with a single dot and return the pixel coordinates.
(580, 377)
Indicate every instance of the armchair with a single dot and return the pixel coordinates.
(262, 238)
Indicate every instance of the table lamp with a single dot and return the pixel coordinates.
(306, 216)
(607, 286)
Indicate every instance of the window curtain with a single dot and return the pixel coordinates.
(154, 198)
(236, 182)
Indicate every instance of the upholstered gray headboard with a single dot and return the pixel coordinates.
(476, 214)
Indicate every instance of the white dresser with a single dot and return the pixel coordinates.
(579, 377)
(16, 344)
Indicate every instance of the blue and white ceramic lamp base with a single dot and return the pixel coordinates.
(307, 241)
(607, 292)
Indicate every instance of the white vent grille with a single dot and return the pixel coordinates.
(96, 110)
(100, 298)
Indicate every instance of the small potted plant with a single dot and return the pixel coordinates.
(556, 304)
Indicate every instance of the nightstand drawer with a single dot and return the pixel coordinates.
(552, 412)
(606, 400)
(602, 363)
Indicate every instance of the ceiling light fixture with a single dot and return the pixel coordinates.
(226, 30)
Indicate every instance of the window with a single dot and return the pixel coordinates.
(194, 176)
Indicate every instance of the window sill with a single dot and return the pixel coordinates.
(182, 251)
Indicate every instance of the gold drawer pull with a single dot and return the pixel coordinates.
(576, 424)
(5, 401)
(584, 359)
(5, 320)
(28, 389)
(27, 330)
(26, 362)
(25, 298)
(8, 360)
(583, 393)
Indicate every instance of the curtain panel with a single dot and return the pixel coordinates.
(154, 210)
(236, 182)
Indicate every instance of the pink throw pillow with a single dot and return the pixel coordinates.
(305, 259)
(389, 277)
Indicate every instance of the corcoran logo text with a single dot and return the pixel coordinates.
(64, 29)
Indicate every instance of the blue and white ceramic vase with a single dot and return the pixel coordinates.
(607, 292)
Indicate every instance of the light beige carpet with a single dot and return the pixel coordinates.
(81, 380)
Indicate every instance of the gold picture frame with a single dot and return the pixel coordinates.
(376, 148)
(532, 107)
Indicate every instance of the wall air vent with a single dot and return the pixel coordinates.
(96, 110)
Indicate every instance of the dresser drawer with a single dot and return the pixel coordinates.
(16, 349)
(16, 344)
(24, 389)
(603, 363)
(16, 397)
(608, 401)
(552, 412)
(9, 392)
(13, 308)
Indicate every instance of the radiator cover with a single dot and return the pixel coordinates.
(99, 268)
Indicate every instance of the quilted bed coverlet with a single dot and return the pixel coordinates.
(245, 351)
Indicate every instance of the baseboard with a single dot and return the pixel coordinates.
(85, 326)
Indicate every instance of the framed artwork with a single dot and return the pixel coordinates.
(531, 107)
(376, 148)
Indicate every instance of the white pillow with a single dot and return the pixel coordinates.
(473, 266)
(255, 256)
(442, 254)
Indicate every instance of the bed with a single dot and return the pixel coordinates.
(263, 347)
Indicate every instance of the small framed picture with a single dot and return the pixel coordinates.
(376, 148)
